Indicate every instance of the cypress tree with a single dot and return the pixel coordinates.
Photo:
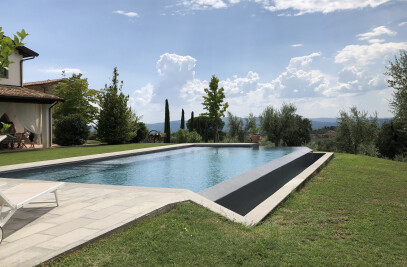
(167, 129)
(182, 120)
(192, 122)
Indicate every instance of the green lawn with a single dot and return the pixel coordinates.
(66, 152)
(354, 212)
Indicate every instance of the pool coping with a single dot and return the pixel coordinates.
(254, 217)
(118, 154)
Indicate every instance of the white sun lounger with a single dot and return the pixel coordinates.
(16, 197)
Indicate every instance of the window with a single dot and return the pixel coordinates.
(3, 73)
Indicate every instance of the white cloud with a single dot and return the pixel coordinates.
(300, 80)
(362, 55)
(205, 4)
(67, 70)
(193, 90)
(127, 14)
(144, 95)
(300, 7)
(402, 23)
(296, 45)
(375, 41)
(240, 85)
(381, 30)
(322, 6)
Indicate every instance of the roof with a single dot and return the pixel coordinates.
(46, 82)
(25, 95)
(27, 52)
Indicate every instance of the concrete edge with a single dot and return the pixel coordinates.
(229, 186)
(263, 209)
(250, 220)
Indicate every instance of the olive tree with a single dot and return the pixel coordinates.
(356, 130)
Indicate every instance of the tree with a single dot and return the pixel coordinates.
(398, 81)
(251, 125)
(182, 120)
(355, 130)
(142, 132)
(191, 128)
(78, 99)
(278, 123)
(300, 134)
(236, 130)
(204, 127)
(71, 130)
(114, 120)
(391, 140)
(7, 46)
(167, 128)
(213, 103)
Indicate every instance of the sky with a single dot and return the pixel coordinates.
(323, 56)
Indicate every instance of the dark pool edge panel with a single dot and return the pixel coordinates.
(243, 193)
(124, 153)
(224, 188)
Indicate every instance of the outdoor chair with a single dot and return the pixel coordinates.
(16, 197)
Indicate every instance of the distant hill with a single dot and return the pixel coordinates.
(317, 123)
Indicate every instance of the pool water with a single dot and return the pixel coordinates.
(195, 168)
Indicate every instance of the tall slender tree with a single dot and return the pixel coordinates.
(167, 128)
(213, 103)
(182, 120)
(191, 128)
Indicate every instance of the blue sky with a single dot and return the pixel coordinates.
(323, 56)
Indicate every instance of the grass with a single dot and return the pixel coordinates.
(66, 152)
(354, 212)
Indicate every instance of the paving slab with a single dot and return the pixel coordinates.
(41, 231)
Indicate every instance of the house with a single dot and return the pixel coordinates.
(28, 109)
(44, 86)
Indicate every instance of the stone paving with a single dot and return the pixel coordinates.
(42, 231)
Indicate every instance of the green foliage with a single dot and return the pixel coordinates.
(71, 130)
(236, 130)
(182, 120)
(78, 99)
(205, 128)
(115, 118)
(167, 129)
(251, 125)
(185, 136)
(355, 129)
(300, 132)
(277, 123)
(142, 133)
(191, 125)
(4, 127)
(213, 103)
(67, 152)
(398, 81)
(7, 46)
(352, 213)
(392, 140)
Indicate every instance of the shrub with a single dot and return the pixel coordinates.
(184, 136)
(71, 130)
(142, 132)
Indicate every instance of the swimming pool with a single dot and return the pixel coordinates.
(193, 168)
